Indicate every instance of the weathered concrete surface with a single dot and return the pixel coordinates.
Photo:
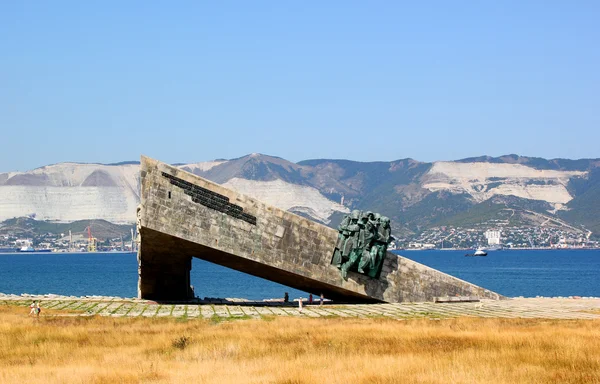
(183, 216)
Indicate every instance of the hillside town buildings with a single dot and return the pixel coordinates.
(446, 237)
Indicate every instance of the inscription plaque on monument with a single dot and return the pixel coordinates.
(211, 199)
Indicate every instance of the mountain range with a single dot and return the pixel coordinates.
(415, 195)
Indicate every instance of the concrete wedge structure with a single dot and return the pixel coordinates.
(182, 215)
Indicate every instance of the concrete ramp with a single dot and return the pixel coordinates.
(182, 216)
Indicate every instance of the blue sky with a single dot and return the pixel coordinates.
(194, 81)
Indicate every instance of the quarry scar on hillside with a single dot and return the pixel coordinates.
(182, 215)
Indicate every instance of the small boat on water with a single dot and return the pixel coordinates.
(478, 252)
(30, 249)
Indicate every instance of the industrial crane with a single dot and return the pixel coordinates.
(91, 241)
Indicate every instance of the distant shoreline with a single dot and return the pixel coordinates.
(391, 250)
(66, 253)
(502, 249)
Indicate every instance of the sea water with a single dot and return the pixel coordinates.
(520, 272)
(512, 273)
(116, 274)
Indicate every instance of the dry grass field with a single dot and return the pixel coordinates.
(289, 350)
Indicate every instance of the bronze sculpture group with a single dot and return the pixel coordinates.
(362, 243)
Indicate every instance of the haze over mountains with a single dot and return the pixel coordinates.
(416, 195)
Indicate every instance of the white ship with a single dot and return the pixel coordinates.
(478, 252)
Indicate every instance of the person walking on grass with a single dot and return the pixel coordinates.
(300, 305)
(34, 309)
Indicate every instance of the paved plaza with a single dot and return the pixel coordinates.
(524, 308)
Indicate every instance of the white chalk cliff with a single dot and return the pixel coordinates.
(484, 180)
(70, 191)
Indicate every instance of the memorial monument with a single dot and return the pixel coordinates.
(182, 216)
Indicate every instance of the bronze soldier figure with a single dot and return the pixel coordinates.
(365, 236)
(362, 243)
(369, 255)
(339, 246)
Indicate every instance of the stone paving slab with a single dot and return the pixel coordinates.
(150, 310)
(85, 306)
(320, 312)
(350, 312)
(278, 311)
(250, 311)
(334, 312)
(75, 305)
(137, 310)
(164, 311)
(221, 311)
(291, 312)
(23, 303)
(264, 311)
(98, 308)
(310, 312)
(193, 311)
(110, 309)
(50, 304)
(541, 308)
(235, 311)
(179, 311)
(207, 311)
(123, 310)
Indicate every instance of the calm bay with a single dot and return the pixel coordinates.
(527, 273)
(521, 272)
